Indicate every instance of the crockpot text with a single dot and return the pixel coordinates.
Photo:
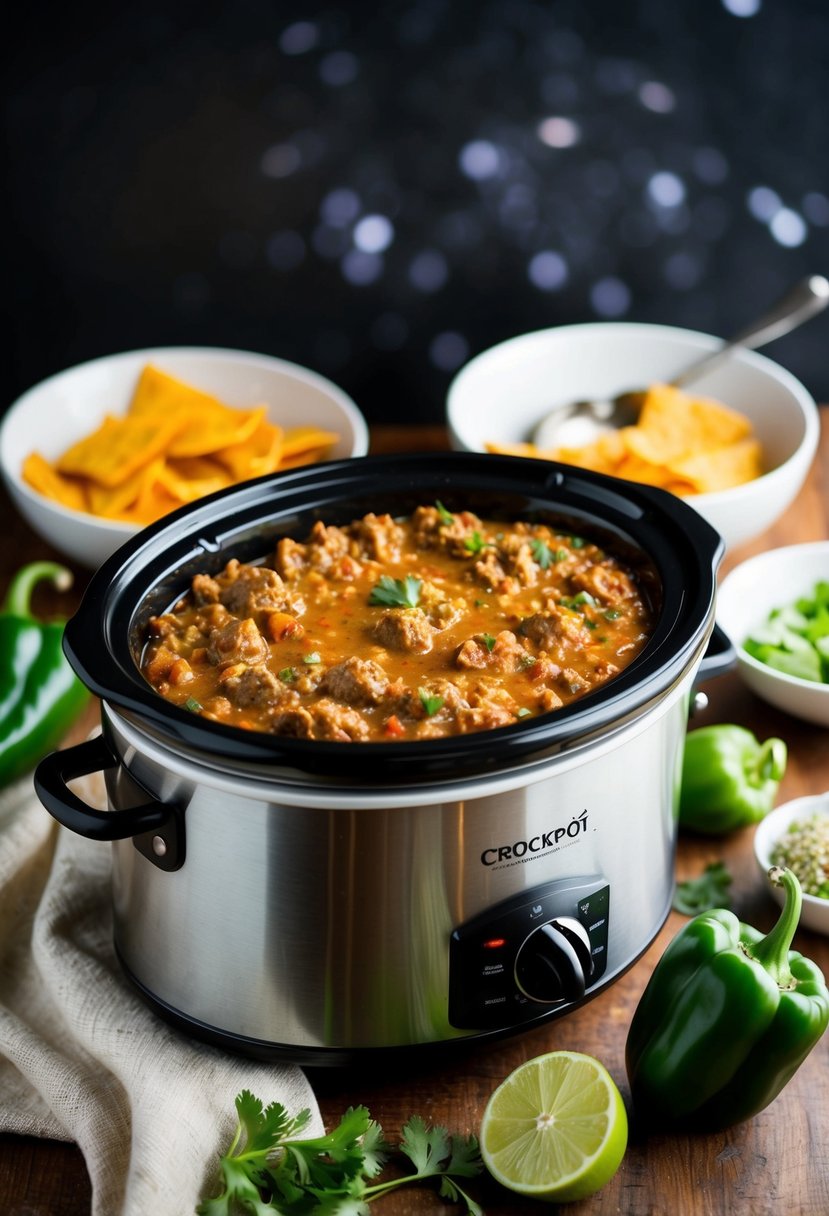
(536, 844)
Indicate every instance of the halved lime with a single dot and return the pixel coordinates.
(556, 1128)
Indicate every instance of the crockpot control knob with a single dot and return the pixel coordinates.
(555, 963)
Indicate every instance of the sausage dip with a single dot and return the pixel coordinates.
(390, 629)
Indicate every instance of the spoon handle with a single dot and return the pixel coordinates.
(807, 298)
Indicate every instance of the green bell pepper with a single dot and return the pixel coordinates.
(40, 695)
(729, 778)
(727, 1018)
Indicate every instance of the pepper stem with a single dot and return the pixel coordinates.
(770, 764)
(19, 595)
(772, 952)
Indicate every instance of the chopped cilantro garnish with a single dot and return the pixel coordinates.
(542, 553)
(523, 712)
(488, 640)
(710, 890)
(583, 599)
(446, 517)
(577, 542)
(193, 705)
(287, 675)
(430, 703)
(312, 658)
(611, 614)
(475, 543)
(397, 592)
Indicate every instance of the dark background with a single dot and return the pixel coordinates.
(381, 191)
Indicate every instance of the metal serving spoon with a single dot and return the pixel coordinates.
(582, 421)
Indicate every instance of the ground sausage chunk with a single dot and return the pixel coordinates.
(237, 642)
(254, 686)
(405, 630)
(378, 537)
(339, 723)
(256, 591)
(606, 583)
(355, 682)
(547, 629)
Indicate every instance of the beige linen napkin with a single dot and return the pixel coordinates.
(81, 1057)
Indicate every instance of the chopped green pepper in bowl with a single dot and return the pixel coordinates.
(774, 607)
(795, 638)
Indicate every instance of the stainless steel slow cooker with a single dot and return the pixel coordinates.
(320, 901)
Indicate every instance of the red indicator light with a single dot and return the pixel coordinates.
(495, 943)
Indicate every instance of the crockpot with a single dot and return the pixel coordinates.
(321, 901)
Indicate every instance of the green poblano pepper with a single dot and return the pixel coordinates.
(727, 1018)
(729, 778)
(40, 695)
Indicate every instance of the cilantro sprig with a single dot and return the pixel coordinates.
(709, 890)
(475, 543)
(430, 702)
(397, 592)
(269, 1167)
(542, 552)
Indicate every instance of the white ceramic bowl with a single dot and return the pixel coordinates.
(501, 394)
(67, 406)
(748, 594)
(815, 912)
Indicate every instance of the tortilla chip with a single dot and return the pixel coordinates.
(260, 453)
(153, 502)
(301, 439)
(157, 393)
(191, 477)
(44, 477)
(205, 423)
(174, 444)
(604, 455)
(118, 448)
(688, 445)
(722, 469)
(677, 423)
(519, 449)
(113, 501)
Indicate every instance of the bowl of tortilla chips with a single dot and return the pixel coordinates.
(737, 443)
(96, 452)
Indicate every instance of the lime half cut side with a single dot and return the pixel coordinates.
(556, 1128)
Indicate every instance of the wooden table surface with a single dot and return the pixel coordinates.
(776, 1163)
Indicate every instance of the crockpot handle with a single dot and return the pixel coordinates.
(719, 658)
(157, 829)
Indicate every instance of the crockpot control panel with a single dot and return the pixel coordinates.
(542, 948)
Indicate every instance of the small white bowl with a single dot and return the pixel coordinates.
(815, 912)
(503, 393)
(69, 405)
(745, 599)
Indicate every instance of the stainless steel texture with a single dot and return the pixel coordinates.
(327, 926)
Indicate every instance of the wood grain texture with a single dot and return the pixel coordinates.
(776, 1163)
